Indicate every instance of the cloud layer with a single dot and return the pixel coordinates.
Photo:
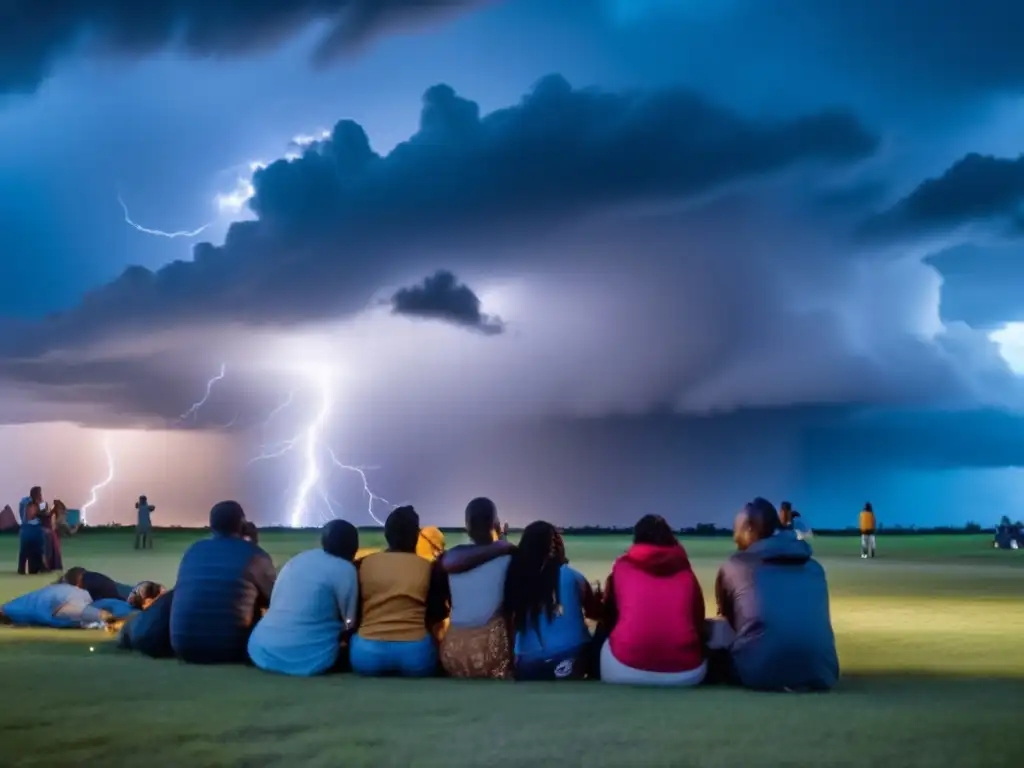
(654, 250)
(33, 37)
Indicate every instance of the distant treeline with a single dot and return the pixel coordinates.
(708, 530)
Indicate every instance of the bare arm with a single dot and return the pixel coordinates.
(439, 597)
(466, 558)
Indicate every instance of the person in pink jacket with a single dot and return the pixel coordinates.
(654, 613)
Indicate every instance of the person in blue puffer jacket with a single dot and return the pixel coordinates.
(224, 586)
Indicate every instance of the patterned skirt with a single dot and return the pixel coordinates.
(478, 652)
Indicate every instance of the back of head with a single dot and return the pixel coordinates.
(481, 520)
(867, 507)
(227, 518)
(402, 529)
(654, 530)
(531, 584)
(756, 521)
(786, 513)
(143, 500)
(341, 539)
(74, 576)
(250, 532)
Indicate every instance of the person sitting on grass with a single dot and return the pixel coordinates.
(313, 609)
(775, 631)
(477, 641)
(149, 630)
(548, 602)
(654, 612)
(224, 583)
(403, 598)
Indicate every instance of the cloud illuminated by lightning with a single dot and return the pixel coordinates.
(160, 232)
(194, 408)
(234, 202)
(94, 493)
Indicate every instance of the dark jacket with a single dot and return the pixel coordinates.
(102, 587)
(775, 596)
(149, 631)
(224, 584)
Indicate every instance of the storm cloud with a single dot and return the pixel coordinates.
(33, 36)
(442, 297)
(340, 221)
(977, 190)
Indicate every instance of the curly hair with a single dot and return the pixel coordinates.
(531, 584)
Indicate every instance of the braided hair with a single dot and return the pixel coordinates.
(531, 584)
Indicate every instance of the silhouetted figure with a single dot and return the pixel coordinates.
(144, 524)
(867, 531)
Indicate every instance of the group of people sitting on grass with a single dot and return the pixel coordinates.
(489, 609)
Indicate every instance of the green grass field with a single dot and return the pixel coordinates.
(931, 640)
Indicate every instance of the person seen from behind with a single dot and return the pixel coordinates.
(548, 602)
(403, 600)
(653, 612)
(144, 523)
(430, 545)
(786, 516)
(313, 610)
(477, 643)
(775, 631)
(224, 584)
(867, 532)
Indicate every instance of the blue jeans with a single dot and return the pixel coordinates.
(408, 658)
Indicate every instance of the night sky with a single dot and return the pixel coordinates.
(592, 258)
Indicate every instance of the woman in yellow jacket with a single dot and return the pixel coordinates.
(867, 532)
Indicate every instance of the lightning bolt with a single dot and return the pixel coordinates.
(311, 440)
(370, 495)
(194, 408)
(159, 232)
(94, 493)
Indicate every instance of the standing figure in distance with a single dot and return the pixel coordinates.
(144, 524)
(867, 532)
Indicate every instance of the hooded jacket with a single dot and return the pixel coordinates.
(658, 610)
(775, 596)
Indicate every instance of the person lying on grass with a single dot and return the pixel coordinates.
(653, 613)
(403, 600)
(477, 642)
(548, 602)
(775, 629)
(313, 609)
(59, 606)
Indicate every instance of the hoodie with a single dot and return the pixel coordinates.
(657, 608)
(775, 596)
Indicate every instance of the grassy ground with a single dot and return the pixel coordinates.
(930, 639)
